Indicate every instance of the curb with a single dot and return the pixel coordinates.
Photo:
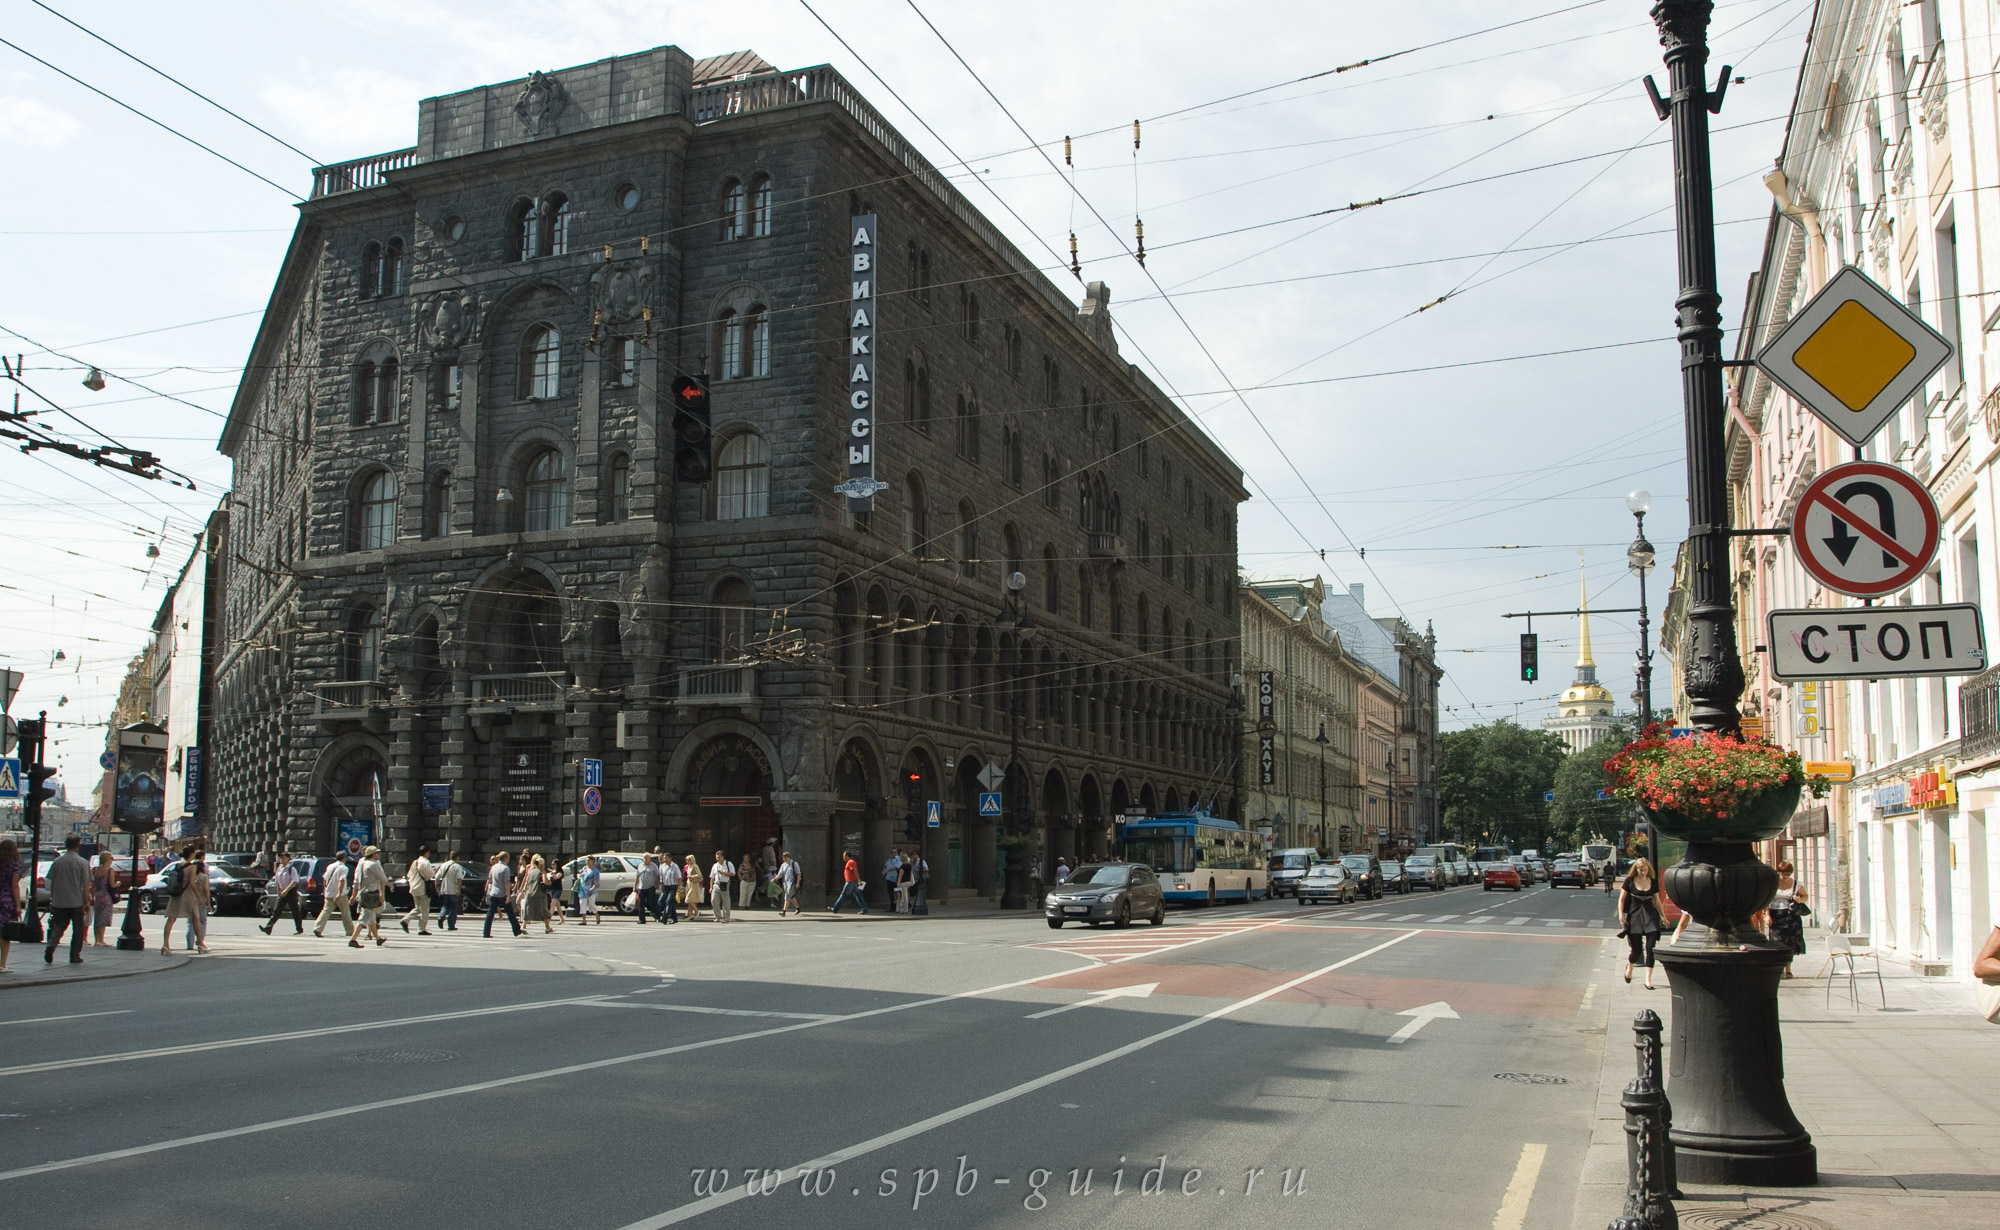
(15, 982)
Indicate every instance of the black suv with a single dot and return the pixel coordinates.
(1367, 872)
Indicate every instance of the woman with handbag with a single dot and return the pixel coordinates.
(691, 883)
(371, 888)
(1639, 917)
(10, 898)
(1787, 910)
(535, 897)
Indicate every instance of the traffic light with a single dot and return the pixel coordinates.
(1530, 654)
(913, 786)
(35, 790)
(692, 445)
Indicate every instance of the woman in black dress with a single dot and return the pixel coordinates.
(1639, 912)
(1787, 915)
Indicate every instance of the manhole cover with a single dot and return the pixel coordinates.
(400, 1055)
(1749, 1219)
(1531, 1078)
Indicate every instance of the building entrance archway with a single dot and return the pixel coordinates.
(730, 780)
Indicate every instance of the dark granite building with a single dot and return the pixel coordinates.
(460, 551)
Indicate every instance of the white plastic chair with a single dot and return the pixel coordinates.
(1841, 947)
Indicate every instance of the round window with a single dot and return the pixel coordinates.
(628, 198)
(454, 228)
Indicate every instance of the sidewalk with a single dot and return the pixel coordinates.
(1903, 1105)
(25, 967)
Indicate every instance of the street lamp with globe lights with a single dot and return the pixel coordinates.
(1639, 558)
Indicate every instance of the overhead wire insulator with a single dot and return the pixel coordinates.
(596, 325)
(646, 314)
(1135, 136)
(1067, 159)
(607, 253)
(1139, 229)
(1073, 266)
(645, 244)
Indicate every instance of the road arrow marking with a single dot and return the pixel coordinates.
(1425, 1015)
(1136, 991)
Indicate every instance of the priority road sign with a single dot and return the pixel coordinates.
(989, 804)
(1865, 529)
(1876, 642)
(933, 814)
(593, 799)
(593, 772)
(992, 776)
(1854, 355)
(10, 778)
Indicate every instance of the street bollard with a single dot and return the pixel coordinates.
(1646, 1029)
(1648, 1156)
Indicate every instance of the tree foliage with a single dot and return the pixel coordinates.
(1577, 812)
(1492, 782)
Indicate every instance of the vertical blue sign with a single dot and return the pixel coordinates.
(191, 777)
(593, 772)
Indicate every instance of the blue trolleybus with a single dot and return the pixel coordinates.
(1198, 857)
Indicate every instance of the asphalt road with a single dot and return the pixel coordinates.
(1257, 1061)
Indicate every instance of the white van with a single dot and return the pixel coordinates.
(1288, 867)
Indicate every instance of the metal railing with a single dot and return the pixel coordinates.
(1105, 545)
(369, 172)
(530, 688)
(353, 694)
(732, 683)
(1979, 715)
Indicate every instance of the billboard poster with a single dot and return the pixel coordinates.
(139, 788)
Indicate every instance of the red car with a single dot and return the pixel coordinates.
(1502, 875)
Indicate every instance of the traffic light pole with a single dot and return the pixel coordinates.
(1732, 1122)
(32, 736)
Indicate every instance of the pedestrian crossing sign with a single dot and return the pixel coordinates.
(989, 803)
(10, 778)
(933, 814)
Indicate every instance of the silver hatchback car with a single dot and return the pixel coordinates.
(1098, 893)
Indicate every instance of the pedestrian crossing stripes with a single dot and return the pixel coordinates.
(1119, 946)
(1405, 917)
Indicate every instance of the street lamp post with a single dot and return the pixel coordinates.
(1014, 893)
(1321, 740)
(1732, 1121)
(1639, 558)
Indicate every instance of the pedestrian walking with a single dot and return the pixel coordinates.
(670, 888)
(1639, 914)
(901, 888)
(920, 883)
(767, 864)
(587, 880)
(11, 896)
(746, 881)
(691, 888)
(371, 894)
(851, 888)
(420, 875)
(1788, 910)
(788, 884)
(646, 886)
(291, 892)
(500, 893)
(450, 884)
(69, 894)
(552, 887)
(1062, 869)
(102, 877)
(721, 877)
(891, 868)
(336, 901)
(187, 898)
(535, 895)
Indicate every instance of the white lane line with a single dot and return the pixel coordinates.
(75, 1016)
(223, 1044)
(1514, 1205)
(697, 1208)
(695, 1008)
(342, 1112)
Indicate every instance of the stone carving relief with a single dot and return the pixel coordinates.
(641, 617)
(540, 103)
(622, 291)
(450, 319)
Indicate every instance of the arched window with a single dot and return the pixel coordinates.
(437, 505)
(615, 494)
(1051, 581)
(366, 389)
(1117, 440)
(757, 331)
(1086, 612)
(732, 219)
(968, 540)
(1187, 644)
(1051, 482)
(1117, 603)
(924, 277)
(1014, 353)
(760, 207)
(917, 522)
(743, 478)
(729, 328)
(1085, 507)
(541, 362)
(1145, 542)
(1145, 624)
(923, 398)
(968, 308)
(968, 428)
(371, 270)
(1010, 545)
(729, 622)
(361, 645)
(555, 224)
(374, 513)
(910, 270)
(546, 488)
(388, 380)
(1051, 380)
(392, 268)
(525, 231)
(1167, 556)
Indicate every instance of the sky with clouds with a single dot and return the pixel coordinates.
(1528, 188)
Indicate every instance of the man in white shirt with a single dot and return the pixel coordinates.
(721, 878)
(647, 887)
(499, 880)
(291, 891)
(421, 875)
(670, 888)
(889, 871)
(451, 883)
(336, 880)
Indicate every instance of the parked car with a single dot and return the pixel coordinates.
(1425, 871)
(1288, 867)
(231, 890)
(1367, 872)
(618, 877)
(1098, 893)
(1567, 871)
(1393, 879)
(1326, 882)
(1502, 875)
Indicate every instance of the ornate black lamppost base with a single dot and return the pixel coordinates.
(132, 935)
(1014, 887)
(1732, 1123)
